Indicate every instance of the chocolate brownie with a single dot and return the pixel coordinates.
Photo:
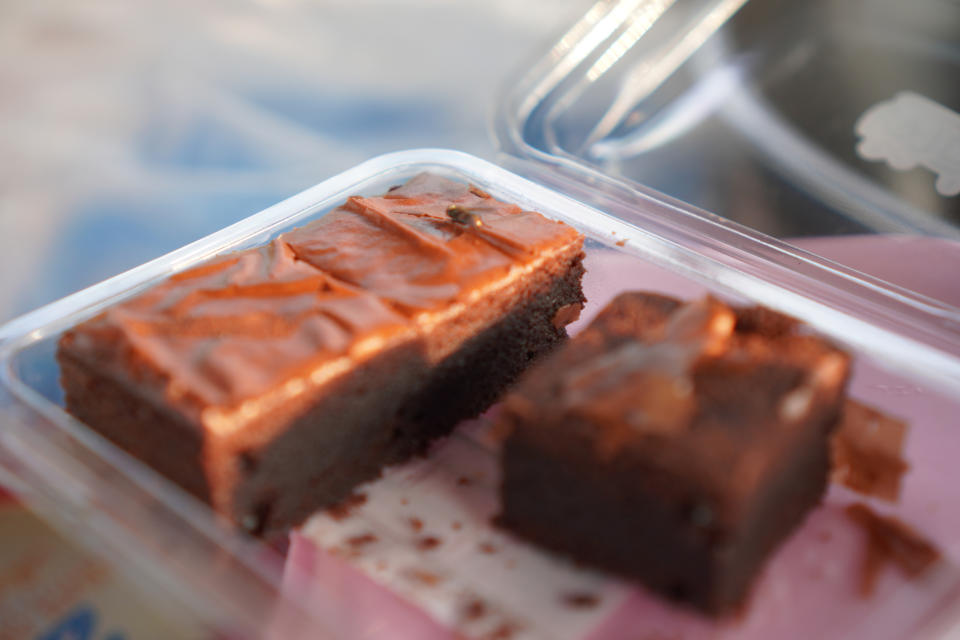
(676, 444)
(270, 382)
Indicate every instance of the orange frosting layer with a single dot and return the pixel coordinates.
(246, 323)
(235, 327)
(408, 249)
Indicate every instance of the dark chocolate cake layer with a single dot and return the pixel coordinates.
(272, 381)
(673, 444)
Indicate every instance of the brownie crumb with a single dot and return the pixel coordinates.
(416, 524)
(424, 577)
(487, 547)
(456, 525)
(474, 610)
(480, 193)
(404, 501)
(621, 243)
(428, 542)
(581, 600)
(503, 632)
(361, 540)
(890, 541)
(867, 452)
(345, 507)
(464, 481)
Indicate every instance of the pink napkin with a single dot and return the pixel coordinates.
(372, 576)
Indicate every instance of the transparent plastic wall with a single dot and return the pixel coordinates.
(169, 543)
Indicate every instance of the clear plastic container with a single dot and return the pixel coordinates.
(792, 119)
(907, 364)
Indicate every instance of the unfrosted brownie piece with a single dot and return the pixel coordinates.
(272, 381)
(867, 451)
(673, 443)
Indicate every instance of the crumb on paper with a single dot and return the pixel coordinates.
(428, 543)
(503, 632)
(890, 541)
(427, 578)
(474, 610)
(361, 540)
(345, 507)
(581, 600)
(867, 452)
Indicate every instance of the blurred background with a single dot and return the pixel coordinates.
(130, 127)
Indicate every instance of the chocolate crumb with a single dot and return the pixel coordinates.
(581, 600)
(361, 540)
(621, 243)
(428, 542)
(455, 525)
(480, 193)
(404, 501)
(475, 609)
(425, 577)
(503, 632)
(464, 481)
(345, 507)
(866, 452)
(890, 541)
(416, 524)
(487, 547)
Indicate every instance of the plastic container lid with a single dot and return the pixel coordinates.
(792, 119)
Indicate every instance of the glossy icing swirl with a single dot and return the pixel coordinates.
(404, 247)
(243, 324)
